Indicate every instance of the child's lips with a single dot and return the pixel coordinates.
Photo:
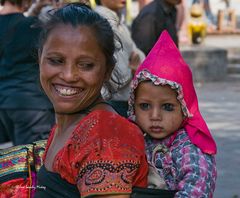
(156, 129)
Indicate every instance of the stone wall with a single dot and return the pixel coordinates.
(207, 63)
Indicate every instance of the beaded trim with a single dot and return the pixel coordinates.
(146, 75)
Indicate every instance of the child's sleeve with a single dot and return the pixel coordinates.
(196, 172)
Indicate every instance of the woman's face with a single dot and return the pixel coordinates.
(72, 68)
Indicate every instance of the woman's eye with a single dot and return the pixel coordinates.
(86, 66)
(144, 106)
(55, 61)
(168, 107)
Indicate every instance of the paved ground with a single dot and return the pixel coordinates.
(219, 104)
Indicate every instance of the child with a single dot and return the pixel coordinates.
(164, 104)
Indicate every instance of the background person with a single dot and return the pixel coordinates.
(26, 114)
(142, 3)
(152, 20)
(40, 8)
(128, 56)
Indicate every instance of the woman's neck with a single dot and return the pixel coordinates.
(9, 8)
(64, 122)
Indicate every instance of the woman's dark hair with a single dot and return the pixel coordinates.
(14, 2)
(77, 14)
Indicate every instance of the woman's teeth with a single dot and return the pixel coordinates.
(67, 91)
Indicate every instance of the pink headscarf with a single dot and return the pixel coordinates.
(165, 63)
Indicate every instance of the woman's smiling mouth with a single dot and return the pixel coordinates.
(67, 91)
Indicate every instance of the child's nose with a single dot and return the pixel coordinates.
(156, 114)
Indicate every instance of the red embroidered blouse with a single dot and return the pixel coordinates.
(104, 155)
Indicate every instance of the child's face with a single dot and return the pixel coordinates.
(157, 110)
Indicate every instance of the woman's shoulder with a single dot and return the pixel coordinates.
(107, 124)
(108, 131)
(112, 118)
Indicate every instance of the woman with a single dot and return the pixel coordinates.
(92, 151)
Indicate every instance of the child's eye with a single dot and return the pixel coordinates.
(168, 107)
(144, 106)
(55, 61)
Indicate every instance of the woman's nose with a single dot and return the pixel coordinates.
(70, 74)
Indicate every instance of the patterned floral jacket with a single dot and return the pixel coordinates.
(182, 165)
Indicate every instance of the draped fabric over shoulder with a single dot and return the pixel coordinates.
(100, 157)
